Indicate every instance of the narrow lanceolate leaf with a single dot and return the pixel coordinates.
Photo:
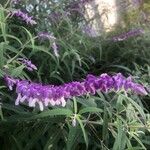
(75, 105)
(138, 108)
(54, 112)
(15, 38)
(83, 130)
(87, 102)
(120, 141)
(17, 110)
(30, 36)
(1, 54)
(90, 110)
(139, 141)
(17, 71)
(73, 134)
(105, 126)
(1, 113)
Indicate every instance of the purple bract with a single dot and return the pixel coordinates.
(46, 35)
(24, 16)
(28, 64)
(52, 38)
(128, 34)
(43, 95)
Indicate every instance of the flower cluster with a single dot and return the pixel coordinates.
(28, 64)
(51, 37)
(56, 17)
(44, 95)
(46, 35)
(77, 6)
(24, 16)
(126, 35)
(10, 82)
(89, 31)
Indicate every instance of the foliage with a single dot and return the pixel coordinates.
(103, 121)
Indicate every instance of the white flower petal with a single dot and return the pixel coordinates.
(41, 105)
(52, 102)
(18, 99)
(57, 102)
(32, 102)
(46, 101)
(23, 99)
(63, 102)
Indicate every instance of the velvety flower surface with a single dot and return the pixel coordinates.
(44, 95)
(28, 64)
(128, 34)
(89, 31)
(24, 16)
(55, 49)
(46, 35)
(52, 38)
(10, 82)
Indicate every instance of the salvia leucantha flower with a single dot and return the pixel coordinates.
(24, 16)
(46, 35)
(11, 82)
(55, 49)
(44, 95)
(52, 38)
(27, 63)
(127, 35)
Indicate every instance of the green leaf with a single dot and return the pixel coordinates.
(42, 49)
(121, 67)
(1, 54)
(120, 141)
(17, 143)
(16, 109)
(90, 102)
(1, 113)
(54, 112)
(75, 105)
(30, 36)
(83, 131)
(90, 109)
(139, 141)
(73, 133)
(17, 71)
(54, 136)
(140, 109)
(105, 126)
(15, 38)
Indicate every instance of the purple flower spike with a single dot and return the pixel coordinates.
(127, 35)
(55, 49)
(50, 36)
(23, 16)
(10, 82)
(89, 31)
(119, 81)
(46, 35)
(28, 64)
(139, 89)
(45, 95)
